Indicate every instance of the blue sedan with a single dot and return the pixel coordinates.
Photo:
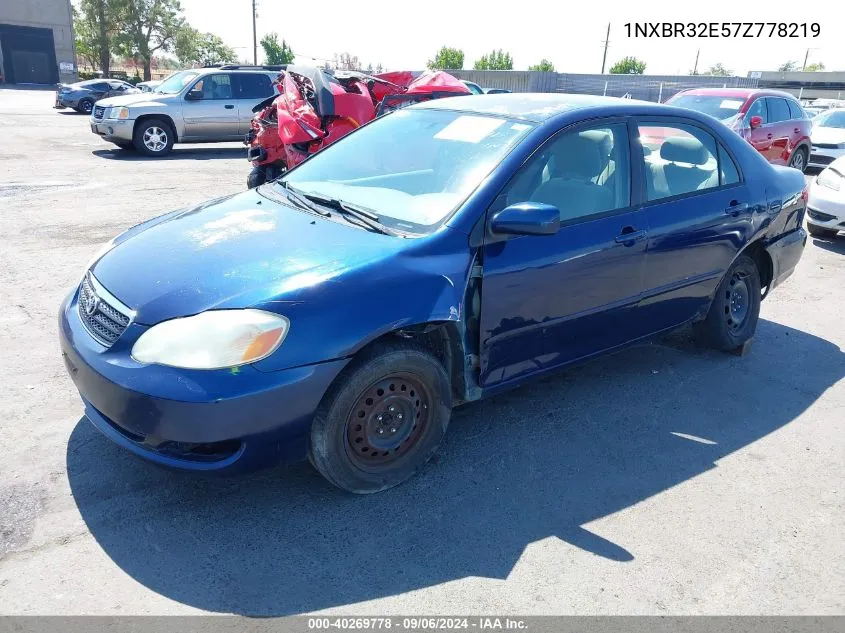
(438, 255)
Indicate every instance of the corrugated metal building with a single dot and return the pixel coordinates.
(36, 41)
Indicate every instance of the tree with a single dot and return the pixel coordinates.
(379, 68)
(85, 40)
(447, 59)
(95, 24)
(149, 26)
(345, 61)
(814, 67)
(788, 67)
(275, 53)
(497, 60)
(628, 66)
(544, 66)
(193, 48)
(718, 70)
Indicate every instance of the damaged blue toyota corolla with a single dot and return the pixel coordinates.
(437, 255)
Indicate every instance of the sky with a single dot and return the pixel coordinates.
(404, 35)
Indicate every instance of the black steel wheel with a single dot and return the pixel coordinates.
(382, 419)
(85, 106)
(732, 318)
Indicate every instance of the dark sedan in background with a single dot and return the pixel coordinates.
(82, 95)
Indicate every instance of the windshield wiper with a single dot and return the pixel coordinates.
(363, 215)
(302, 200)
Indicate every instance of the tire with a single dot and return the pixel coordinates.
(256, 177)
(732, 318)
(153, 137)
(799, 159)
(818, 231)
(382, 420)
(85, 106)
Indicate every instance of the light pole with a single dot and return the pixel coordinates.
(806, 57)
(254, 34)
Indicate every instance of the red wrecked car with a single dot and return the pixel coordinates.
(317, 106)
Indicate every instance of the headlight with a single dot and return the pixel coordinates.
(213, 339)
(118, 113)
(831, 179)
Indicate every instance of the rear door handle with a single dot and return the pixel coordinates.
(629, 236)
(769, 136)
(797, 131)
(736, 208)
(229, 106)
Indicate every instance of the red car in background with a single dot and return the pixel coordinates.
(771, 120)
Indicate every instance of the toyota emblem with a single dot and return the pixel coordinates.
(91, 303)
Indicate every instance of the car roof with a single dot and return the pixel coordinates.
(537, 107)
(742, 93)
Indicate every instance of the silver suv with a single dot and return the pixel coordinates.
(190, 106)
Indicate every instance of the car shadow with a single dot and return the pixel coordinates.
(834, 245)
(177, 153)
(540, 461)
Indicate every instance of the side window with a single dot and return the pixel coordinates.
(582, 173)
(214, 87)
(778, 110)
(758, 108)
(679, 160)
(728, 173)
(795, 111)
(101, 86)
(253, 86)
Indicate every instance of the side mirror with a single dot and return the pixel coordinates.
(526, 218)
(756, 121)
(193, 95)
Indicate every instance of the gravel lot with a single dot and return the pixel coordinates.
(665, 479)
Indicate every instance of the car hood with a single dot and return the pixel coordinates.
(232, 252)
(137, 98)
(828, 135)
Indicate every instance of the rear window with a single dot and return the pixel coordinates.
(795, 110)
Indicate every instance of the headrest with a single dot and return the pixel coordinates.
(577, 157)
(682, 149)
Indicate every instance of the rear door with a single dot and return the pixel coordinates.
(780, 127)
(698, 211)
(251, 89)
(214, 115)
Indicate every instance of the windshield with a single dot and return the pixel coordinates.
(719, 107)
(411, 168)
(175, 82)
(835, 118)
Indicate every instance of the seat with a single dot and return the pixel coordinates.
(575, 162)
(684, 167)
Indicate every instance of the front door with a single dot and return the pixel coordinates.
(761, 138)
(213, 114)
(549, 300)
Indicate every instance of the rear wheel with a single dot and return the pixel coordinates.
(820, 231)
(732, 318)
(799, 159)
(85, 106)
(382, 420)
(153, 137)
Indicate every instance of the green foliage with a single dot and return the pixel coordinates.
(544, 66)
(628, 66)
(149, 26)
(447, 59)
(85, 75)
(275, 52)
(718, 70)
(193, 48)
(497, 60)
(814, 67)
(788, 67)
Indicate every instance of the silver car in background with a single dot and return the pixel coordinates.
(191, 106)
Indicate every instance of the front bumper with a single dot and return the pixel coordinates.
(113, 129)
(223, 420)
(826, 207)
(824, 156)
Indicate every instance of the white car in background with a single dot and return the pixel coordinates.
(826, 204)
(827, 137)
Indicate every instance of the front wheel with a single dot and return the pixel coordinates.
(799, 159)
(153, 137)
(85, 106)
(732, 318)
(820, 231)
(256, 178)
(382, 419)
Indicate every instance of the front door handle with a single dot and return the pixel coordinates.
(736, 208)
(229, 106)
(629, 236)
(769, 136)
